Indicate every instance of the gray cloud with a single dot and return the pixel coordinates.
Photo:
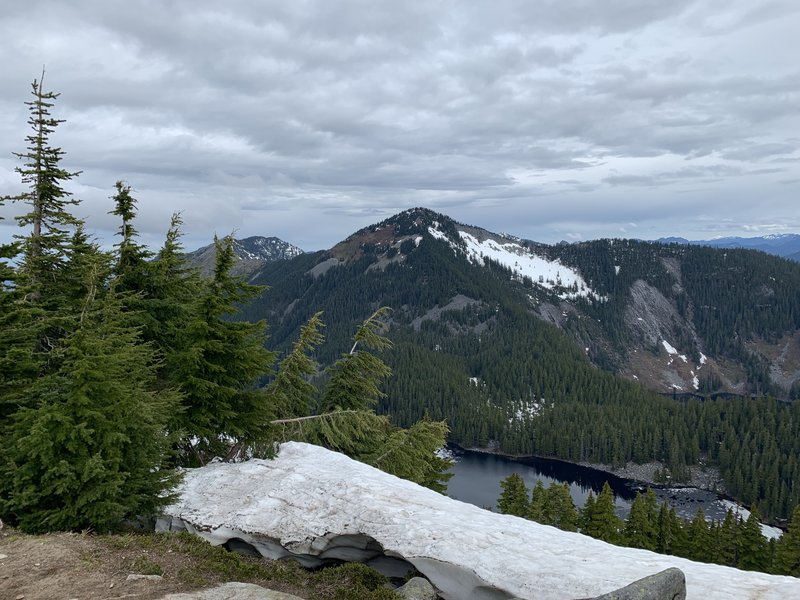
(514, 115)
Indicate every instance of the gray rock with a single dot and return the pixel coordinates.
(417, 588)
(138, 577)
(233, 591)
(669, 584)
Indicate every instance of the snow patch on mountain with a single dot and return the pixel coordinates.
(550, 274)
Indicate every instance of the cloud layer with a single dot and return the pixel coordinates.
(309, 119)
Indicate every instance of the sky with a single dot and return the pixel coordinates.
(307, 120)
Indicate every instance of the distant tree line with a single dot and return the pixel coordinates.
(733, 542)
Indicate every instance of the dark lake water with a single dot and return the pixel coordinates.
(477, 476)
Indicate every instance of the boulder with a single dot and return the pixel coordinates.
(417, 588)
(669, 584)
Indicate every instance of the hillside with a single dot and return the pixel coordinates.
(562, 350)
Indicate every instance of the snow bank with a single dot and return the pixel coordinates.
(309, 501)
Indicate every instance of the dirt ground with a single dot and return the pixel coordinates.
(67, 566)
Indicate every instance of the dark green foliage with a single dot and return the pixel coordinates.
(640, 528)
(514, 497)
(89, 449)
(559, 509)
(753, 546)
(787, 553)
(291, 391)
(218, 369)
(699, 539)
(44, 247)
(536, 508)
(357, 375)
(599, 519)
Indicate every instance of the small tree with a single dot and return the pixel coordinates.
(641, 526)
(600, 520)
(787, 553)
(513, 499)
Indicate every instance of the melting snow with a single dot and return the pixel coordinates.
(767, 531)
(309, 494)
(548, 273)
(668, 347)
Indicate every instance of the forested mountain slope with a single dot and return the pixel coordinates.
(560, 350)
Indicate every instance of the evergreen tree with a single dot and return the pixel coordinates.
(536, 506)
(221, 364)
(600, 520)
(44, 247)
(561, 507)
(787, 552)
(357, 375)
(753, 546)
(727, 543)
(89, 451)
(290, 391)
(641, 526)
(513, 499)
(699, 543)
(131, 269)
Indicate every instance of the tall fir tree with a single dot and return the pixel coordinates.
(699, 539)
(753, 546)
(356, 377)
(48, 215)
(218, 370)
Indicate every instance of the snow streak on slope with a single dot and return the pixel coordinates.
(551, 274)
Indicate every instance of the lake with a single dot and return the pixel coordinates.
(477, 476)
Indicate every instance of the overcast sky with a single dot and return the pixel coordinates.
(309, 119)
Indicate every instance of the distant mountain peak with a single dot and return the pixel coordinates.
(251, 253)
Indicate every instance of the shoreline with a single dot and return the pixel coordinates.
(703, 477)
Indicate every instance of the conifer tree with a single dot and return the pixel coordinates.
(221, 362)
(641, 526)
(513, 499)
(600, 520)
(561, 508)
(290, 391)
(787, 552)
(727, 540)
(44, 247)
(357, 375)
(89, 449)
(132, 258)
(536, 511)
(699, 544)
(753, 546)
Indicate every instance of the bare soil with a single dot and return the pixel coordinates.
(63, 566)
